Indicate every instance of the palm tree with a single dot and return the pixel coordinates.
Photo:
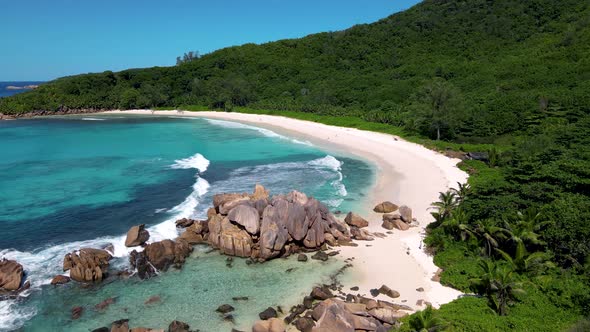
(458, 225)
(446, 204)
(489, 233)
(525, 226)
(462, 191)
(524, 261)
(426, 321)
(499, 285)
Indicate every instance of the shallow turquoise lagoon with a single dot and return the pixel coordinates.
(82, 181)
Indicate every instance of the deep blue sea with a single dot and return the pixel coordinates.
(5, 92)
(82, 181)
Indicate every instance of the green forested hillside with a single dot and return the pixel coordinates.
(514, 75)
(509, 63)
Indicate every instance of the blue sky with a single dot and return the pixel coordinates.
(46, 39)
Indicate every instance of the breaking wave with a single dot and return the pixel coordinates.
(43, 264)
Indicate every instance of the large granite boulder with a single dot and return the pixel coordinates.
(260, 227)
(11, 275)
(137, 236)
(273, 232)
(228, 237)
(353, 219)
(391, 221)
(385, 207)
(405, 213)
(87, 264)
(246, 216)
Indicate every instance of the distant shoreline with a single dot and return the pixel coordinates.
(407, 173)
(25, 87)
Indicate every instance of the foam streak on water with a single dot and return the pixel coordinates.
(263, 131)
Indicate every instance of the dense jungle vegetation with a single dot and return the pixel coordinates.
(510, 78)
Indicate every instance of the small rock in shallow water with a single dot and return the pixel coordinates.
(302, 257)
(225, 308)
(355, 288)
(229, 318)
(421, 289)
(152, 300)
(240, 298)
(77, 312)
(320, 255)
(101, 329)
(178, 326)
(121, 325)
(60, 280)
(105, 304)
(268, 313)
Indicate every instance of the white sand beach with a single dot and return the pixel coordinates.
(407, 174)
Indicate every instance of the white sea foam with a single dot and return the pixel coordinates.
(197, 161)
(282, 176)
(93, 119)
(263, 131)
(43, 264)
(335, 165)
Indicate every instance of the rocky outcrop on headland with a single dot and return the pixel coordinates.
(87, 264)
(262, 227)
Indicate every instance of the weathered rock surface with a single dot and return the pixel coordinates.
(178, 326)
(391, 221)
(11, 275)
(224, 308)
(268, 313)
(137, 236)
(389, 292)
(385, 207)
(60, 280)
(184, 222)
(246, 216)
(159, 256)
(87, 264)
(196, 232)
(353, 219)
(120, 326)
(405, 213)
(360, 234)
(271, 325)
(260, 227)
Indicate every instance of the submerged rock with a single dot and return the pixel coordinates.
(87, 264)
(268, 313)
(60, 280)
(224, 308)
(178, 326)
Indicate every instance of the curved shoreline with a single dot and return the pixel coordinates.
(407, 173)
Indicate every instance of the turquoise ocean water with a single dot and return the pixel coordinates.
(73, 182)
